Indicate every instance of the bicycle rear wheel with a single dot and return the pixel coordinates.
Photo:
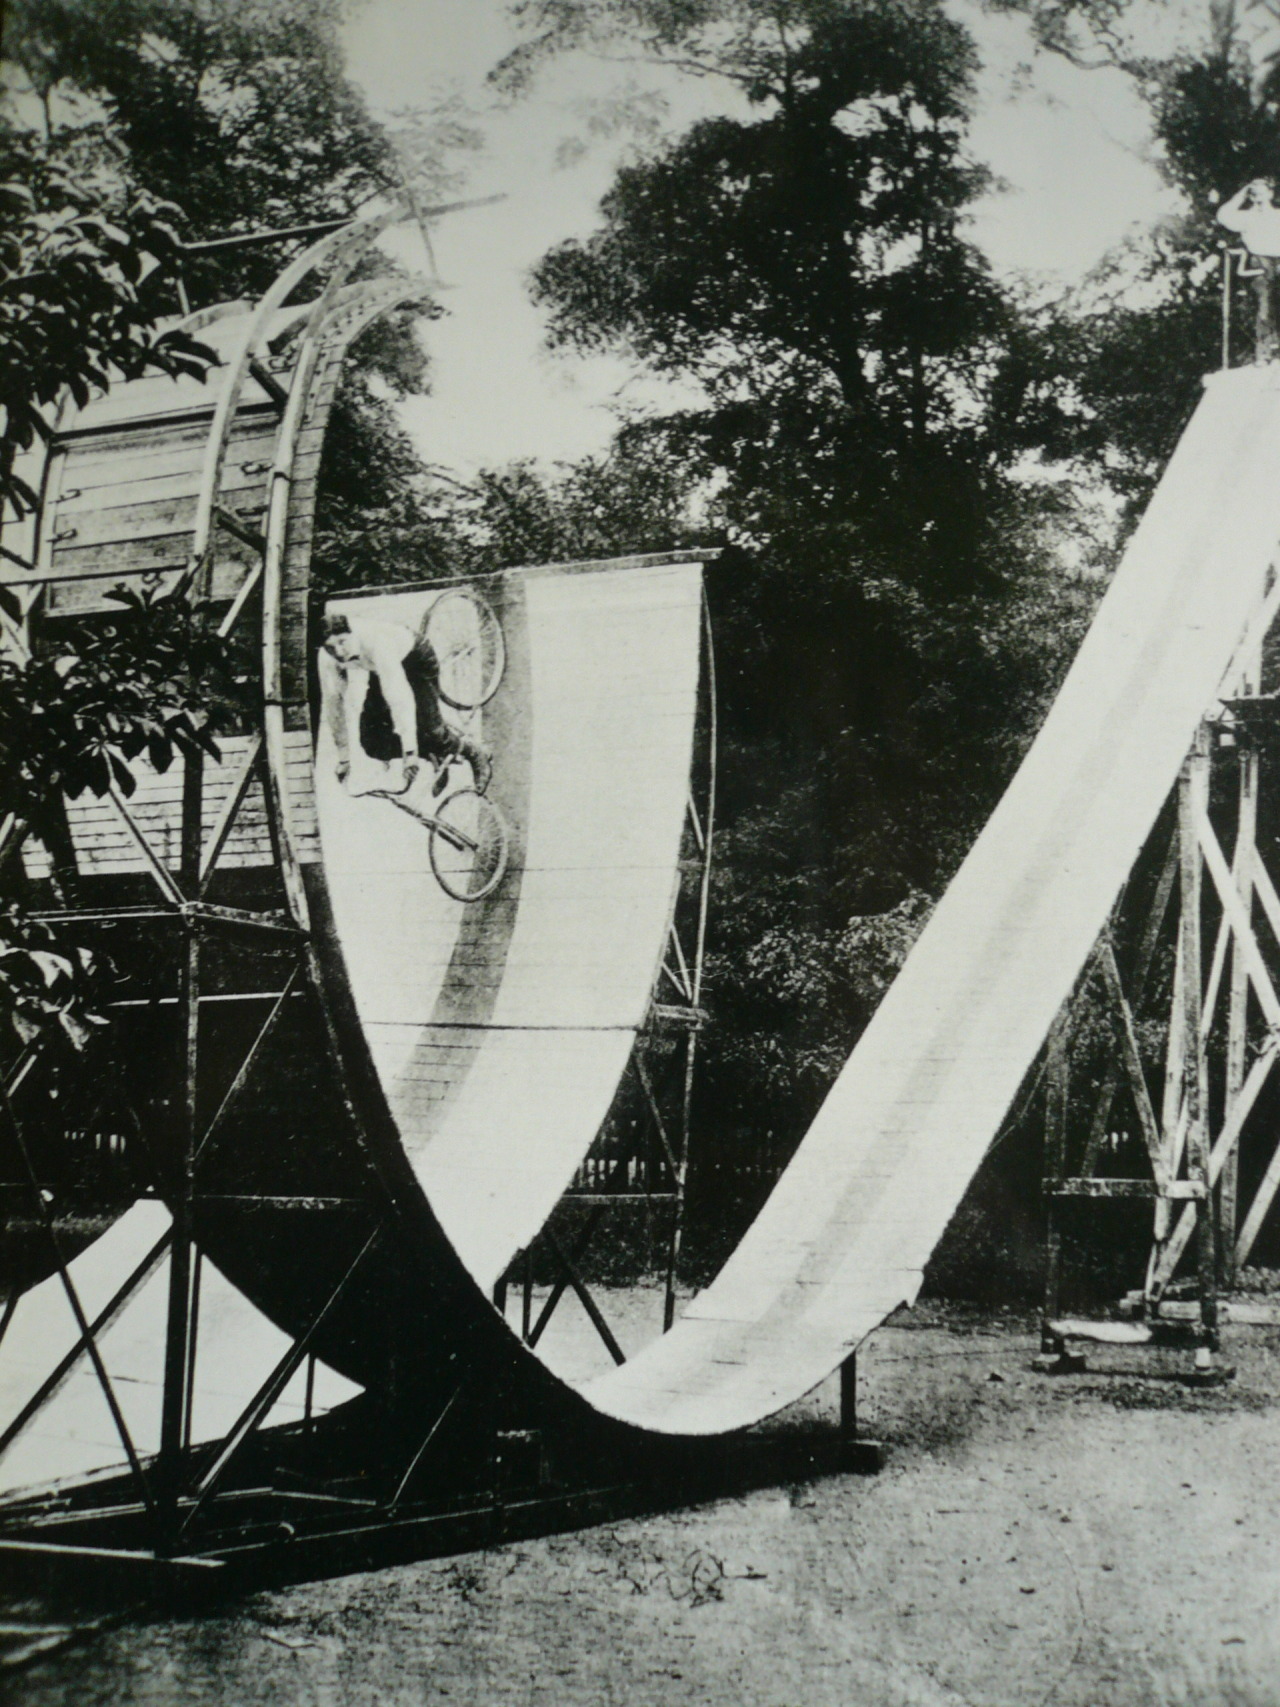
(466, 638)
(469, 845)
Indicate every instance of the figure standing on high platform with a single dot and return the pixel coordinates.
(383, 680)
(1253, 214)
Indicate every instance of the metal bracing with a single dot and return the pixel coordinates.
(87, 1331)
(1216, 977)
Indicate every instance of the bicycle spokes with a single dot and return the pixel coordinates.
(469, 845)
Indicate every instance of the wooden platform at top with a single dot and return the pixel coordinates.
(104, 845)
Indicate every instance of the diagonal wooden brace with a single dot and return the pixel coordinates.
(1123, 1016)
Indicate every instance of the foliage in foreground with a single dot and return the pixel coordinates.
(135, 127)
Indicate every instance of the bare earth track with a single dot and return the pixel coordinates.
(1105, 1540)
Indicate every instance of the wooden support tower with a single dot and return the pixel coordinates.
(1195, 940)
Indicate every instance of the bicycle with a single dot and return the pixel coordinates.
(470, 841)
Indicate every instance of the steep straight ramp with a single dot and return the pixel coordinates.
(845, 1236)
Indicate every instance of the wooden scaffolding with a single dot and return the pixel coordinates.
(1191, 957)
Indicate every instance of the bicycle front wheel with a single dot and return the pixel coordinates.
(469, 845)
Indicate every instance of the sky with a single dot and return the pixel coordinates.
(1071, 149)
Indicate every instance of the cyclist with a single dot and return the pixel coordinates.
(1252, 213)
(383, 680)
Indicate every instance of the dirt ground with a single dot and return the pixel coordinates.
(1109, 1539)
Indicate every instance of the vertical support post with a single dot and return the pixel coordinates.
(1237, 1018)
(849, 1398)
(1055, 1167)
(857, 1453)
(680, 1182)
(1171, 1105)
(193, 1333)
(309, 1393)
(1193, 787)
(180, 1326)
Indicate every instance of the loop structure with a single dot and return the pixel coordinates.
(362, 1072)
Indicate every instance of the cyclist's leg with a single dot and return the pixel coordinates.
(479, 759)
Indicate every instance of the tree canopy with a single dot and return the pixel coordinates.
(237, 111)
(808, 266)
(1135, 339)
(891, 618)
(75, 306)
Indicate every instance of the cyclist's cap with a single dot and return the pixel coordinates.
(334, 622)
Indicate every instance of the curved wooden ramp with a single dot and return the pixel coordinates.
(500, 1029)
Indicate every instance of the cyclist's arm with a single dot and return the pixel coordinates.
(333, 692)
(353, 701)
(1235, 212)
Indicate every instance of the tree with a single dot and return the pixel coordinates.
(238, 111)
(239, 114)
(78, 269)
(78, 265)
(1135, 341)
(808, 268)
(160, 121)
(891, 617)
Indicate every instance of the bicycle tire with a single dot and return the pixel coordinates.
(467, 639)
(478, 846)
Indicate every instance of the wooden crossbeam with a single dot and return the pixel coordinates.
(270, 384)
(100, 1322)
(1233, 906)
(1146, 953)
(558, 1290)
(155, 865)
(1265, 890)
(239, 529)
(679, 974)
(1101, 1185)
(255, 1412)
(83, 1324)
(251, 580)
(420, 1453)
(642, 1073)
(241, 1079)
(585, 1299)
(1263, 1198)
